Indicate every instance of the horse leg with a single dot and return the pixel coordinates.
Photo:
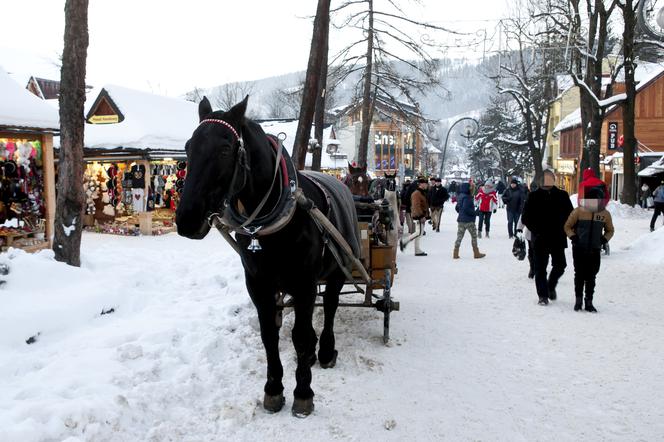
(266, 305)
(327, 355)
(304, 341)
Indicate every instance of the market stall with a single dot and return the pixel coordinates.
(27, 178)
(135, 160)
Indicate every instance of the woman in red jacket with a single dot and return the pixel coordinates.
(487, 198)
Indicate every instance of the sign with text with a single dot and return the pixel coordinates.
(566, 167)
(613, 135)
(104, 119)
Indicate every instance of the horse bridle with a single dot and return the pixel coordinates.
(231, 219)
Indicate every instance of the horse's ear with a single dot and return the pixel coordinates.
(237, 112)
(204, 109)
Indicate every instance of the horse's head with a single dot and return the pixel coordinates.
(390, 182)
(215, 167)
(357, 180)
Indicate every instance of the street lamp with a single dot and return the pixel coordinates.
(470, 130)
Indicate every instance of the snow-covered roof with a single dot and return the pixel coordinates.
(339, 160)
(655, 168)
(151, 121)
(571, 120)
(21, 109)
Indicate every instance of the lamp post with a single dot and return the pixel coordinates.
(470, 130)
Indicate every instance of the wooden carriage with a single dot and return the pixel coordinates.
(378, 244)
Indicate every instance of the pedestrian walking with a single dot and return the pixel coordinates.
(545, 212)
(466, 221)
(487, 198)
(406, 192)
(500, 190)
(589, 227)
(514, 199)
(437, 197)
(523, 233)
(658, 195)
(645, 193)
(420, 212)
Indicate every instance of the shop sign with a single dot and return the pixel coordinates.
(104, 119)
(566, 167)
(613, 135)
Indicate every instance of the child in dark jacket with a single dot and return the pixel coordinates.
(589, 227)
(466, 221)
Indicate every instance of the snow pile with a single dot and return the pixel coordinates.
(626, 211)
(648, 249)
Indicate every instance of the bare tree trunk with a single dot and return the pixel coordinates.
(319, 117)
(71, 199)
(630, 143)
(367, 108)
(311, 83)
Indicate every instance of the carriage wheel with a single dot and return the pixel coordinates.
(387, 306)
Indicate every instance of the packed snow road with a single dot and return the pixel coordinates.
(473, 357)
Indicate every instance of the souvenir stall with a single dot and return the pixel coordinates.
(135, 160)
(27, 179)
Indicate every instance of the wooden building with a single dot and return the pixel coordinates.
(649, 127)
(395, 139)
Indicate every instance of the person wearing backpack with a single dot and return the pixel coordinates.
(658, 195)
(589, 227)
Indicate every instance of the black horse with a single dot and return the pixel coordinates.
(232, 164)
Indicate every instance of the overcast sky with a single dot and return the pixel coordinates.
(171, 46)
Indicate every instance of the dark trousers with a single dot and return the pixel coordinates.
(541, 254)
(485, 218)
(531, 257)
(512, 221)
(659, 209)
(586, 267)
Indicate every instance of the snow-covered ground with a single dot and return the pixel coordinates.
(473, 357)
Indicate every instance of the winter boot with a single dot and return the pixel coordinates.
(552, 294)
(479, 234)
(487, 234)
(477, 254)
(578, 304)
(456, 253)
(589, 304)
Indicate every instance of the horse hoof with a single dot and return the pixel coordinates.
(273, 404)
(332, 363)
(303, 407)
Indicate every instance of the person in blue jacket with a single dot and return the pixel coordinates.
(466, 220)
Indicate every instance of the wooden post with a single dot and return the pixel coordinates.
(49, 185)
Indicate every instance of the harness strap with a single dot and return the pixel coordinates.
(277, 165)
(338, 238)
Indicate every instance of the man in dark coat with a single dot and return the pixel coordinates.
(500, 189)
(514, 198)
(437, 197)
(545, 213)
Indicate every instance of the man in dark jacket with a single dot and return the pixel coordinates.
(500, 189)
(513, 198)
(437, 197)
(466, 221)
(545, 213)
